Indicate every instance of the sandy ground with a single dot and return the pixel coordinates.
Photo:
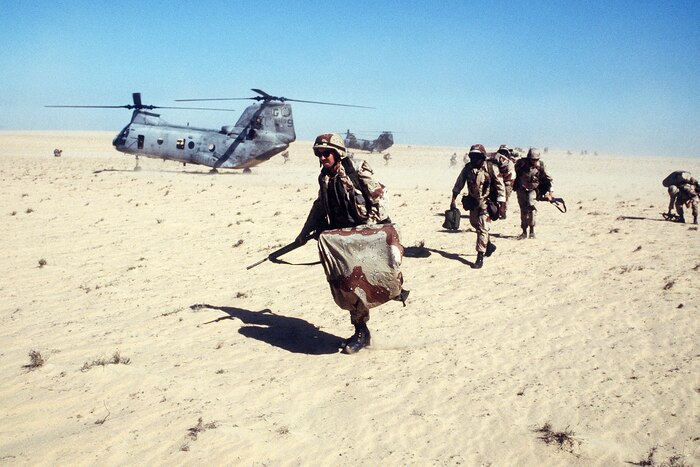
(160, 348)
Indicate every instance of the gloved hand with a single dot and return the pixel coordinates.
(549, 196)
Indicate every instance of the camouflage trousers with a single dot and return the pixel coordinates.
(693, 206)
(509, 190)
(359, 315)
(479, 219)
(528, 209)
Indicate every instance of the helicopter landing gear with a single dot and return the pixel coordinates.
(213, 171)
(137, 167)
(247, 170)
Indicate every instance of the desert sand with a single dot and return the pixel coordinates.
(160, 348)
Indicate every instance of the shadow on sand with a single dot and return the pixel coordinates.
(186, 172)
(634, 218)
(291, 334)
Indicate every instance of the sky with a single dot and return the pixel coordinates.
(615, 77)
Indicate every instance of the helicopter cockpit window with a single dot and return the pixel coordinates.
(160, 141)
(212, 147)
(180, 143)
(190, 145)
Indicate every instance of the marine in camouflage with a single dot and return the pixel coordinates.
(531, 177)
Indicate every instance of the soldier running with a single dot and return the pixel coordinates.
(481, 178)
(349, 196)
(531, 183)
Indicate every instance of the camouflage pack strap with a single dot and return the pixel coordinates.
(355, 178)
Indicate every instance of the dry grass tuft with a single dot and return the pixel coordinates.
(565, 440)
(673, 461)
(42, 263)
(200, 428)
(115, 360)
(36, 360)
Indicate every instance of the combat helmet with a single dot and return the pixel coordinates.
(330, 141)
(505, 150)
(477, 149)
(533, 154)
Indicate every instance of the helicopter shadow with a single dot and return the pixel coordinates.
(186, 172)
(294, 335)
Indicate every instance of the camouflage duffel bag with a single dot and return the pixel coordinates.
(362, 264)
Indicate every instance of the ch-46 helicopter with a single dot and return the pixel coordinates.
(265, 128)
(384, 141)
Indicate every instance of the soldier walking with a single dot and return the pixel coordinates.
(482, 180)
(453, 159)
(506, 167)
(531, 182)
(349, 196)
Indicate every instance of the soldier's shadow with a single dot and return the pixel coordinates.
(453, 256)
(291, 334)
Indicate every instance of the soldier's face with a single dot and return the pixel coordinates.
(327, 158)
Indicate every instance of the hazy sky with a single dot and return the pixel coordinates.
(610, 76)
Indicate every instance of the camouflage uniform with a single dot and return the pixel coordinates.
(506, 169)
(686, 194)
(529, 178)
(341, 204)
(479, 182)
(683, 189)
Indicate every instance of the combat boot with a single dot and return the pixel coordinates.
(490, 248)
(680, 220)
(532, 232)
(359, 340)
(479, 261)
(523, 235)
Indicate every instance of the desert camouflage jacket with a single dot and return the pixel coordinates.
(341, 204)
(506, 167)
(480, 182)
(529, 177)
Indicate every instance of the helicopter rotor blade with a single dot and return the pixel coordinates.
(93, 106)
(268, 97)
(330, 103)
(195, 108)
(217, 99)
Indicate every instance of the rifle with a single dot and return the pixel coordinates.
(671, 217)
(282, 251)
(558, 203)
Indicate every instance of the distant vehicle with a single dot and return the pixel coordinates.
(263, 130)
(383, 142)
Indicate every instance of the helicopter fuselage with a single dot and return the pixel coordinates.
(263, 131)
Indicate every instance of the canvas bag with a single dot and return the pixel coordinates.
(452, 219)
(362, 264)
